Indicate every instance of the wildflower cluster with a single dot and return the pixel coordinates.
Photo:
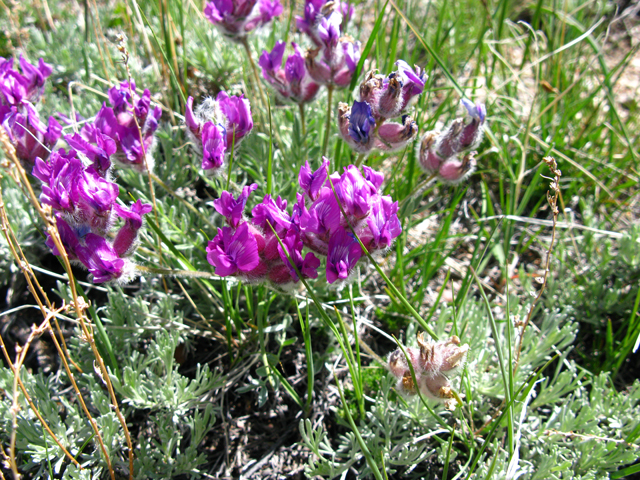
(19, 92)
(236, 18)
(433, 363)
(439, 151)
(292, 83)
(250, 250)
(335, 56)
(365, 126)
(130, 123)
(217, 126)
(332, 61)
(84, 203)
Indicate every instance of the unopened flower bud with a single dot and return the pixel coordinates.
(394, 136)
(391, 101)
(429, 160)
(455, 170)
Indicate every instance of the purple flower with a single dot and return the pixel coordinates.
(271, 212)
(374, 177)
(294, 68)
(337, 63)
(312, 182)
(272, 62)
(100, 259)
(236, 18)
(214, 146)
(99, 154)
(233, 209)
(354, 193)
(269, 10)
(17, 89)
(323, 216)
(60, 177)
(312, 16)
(130, 124)
(237, 110)
(344, 253)
(232, 252)
(413, 81)
(329, 30)
(30, 137)
(293, 82)
(126, 237)
(383, 224)
(69, 238)
(71, 187)
(308, 266)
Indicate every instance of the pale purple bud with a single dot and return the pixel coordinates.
(394, 136)
(428, 158)
(454, 171)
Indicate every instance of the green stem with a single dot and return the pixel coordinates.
(302, 122)
(175, 273)
(327, 126)
(393, 288)
(254, 69)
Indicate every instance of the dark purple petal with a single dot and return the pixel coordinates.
(361, 122)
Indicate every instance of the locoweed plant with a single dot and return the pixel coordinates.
(218, 281)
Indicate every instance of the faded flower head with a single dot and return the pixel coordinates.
(365, 125)
(433, 364)
(440, 151)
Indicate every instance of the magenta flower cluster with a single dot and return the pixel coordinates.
(249, 249)
(130, 123)
(324, 218)
(365, 126)
(236, 18)
(83, 200)
(439, 151)
(19, 92)
(216, 127)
